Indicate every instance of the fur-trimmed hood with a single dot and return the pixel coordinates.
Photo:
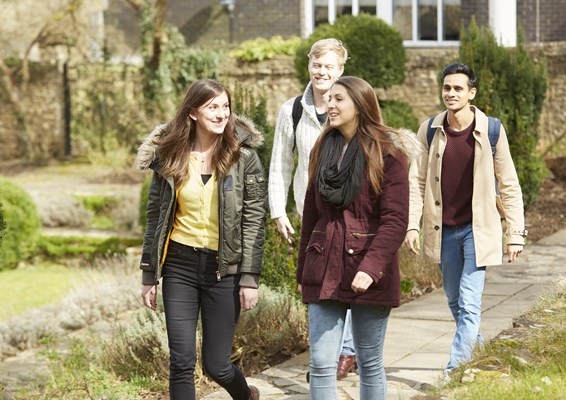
(246, 132)
(407, 141)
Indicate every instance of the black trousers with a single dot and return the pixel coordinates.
(190, 286)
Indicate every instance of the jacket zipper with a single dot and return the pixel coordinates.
(220, 226)
(360, 235)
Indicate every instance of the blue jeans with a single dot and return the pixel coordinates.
(326, 324)
(348, 339)
(463, 284)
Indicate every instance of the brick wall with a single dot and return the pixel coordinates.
(265, 18)
(552, 15)
(479, 8)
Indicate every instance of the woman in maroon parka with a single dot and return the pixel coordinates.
(354, 220)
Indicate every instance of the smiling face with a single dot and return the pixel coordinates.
(324, 70)
(342, 112)
(456, 92)
(213, 116)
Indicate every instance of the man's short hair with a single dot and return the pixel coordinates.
(461, 68)
(323, 46)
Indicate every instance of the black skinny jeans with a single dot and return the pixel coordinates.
(190, 285)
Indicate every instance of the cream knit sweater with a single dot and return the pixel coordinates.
(282, 156)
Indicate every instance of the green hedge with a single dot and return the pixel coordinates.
(397, 114)
(21, 224)
(375, 49)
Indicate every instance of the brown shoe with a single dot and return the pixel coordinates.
(345, 365)
(254, 392)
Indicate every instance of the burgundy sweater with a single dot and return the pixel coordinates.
(457, 175)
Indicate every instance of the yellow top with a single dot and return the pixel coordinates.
(196, 218)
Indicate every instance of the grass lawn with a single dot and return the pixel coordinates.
(35, 286)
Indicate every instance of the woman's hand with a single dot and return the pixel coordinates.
(361, 282)
(149, 296)
(248, 298)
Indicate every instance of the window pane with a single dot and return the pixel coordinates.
(368, 6)
(343, 7)
(320, 12)
(402, 18)
(452, 17)
(428, 22)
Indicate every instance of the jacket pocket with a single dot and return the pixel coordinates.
(255, 186)
(357, 245)
(315, 265)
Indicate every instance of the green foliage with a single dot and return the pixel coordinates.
(179, 65)
(375, 49)
(512, 87)
(279, 258)
(139, 348)
(21, 222)
(397, 114)
(264, 49)
(246, 102)
(108, 113)
(97, 204)
(83, 246)
(278, 326)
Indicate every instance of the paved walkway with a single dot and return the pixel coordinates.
(419, 333)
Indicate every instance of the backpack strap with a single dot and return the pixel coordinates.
(493, 128)
(430, 132)
(296, 115)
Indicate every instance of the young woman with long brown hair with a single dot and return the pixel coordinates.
(354, 220)
(205, 231)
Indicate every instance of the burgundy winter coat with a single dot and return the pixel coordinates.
(366, 236)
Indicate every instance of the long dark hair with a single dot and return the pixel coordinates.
(374, 136)
(175, 147)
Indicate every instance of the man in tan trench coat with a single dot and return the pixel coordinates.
(452, 192)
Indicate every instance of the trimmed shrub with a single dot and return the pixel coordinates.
(397, 114)
(22, 224)
(511, 87)
(264, 49)
(375, 49)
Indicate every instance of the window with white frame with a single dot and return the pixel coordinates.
(427, 20)
(419, 21)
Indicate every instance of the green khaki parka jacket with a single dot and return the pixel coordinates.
(242, 210)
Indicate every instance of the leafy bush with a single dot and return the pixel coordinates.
(139, 348)
(264, 49)
(21, 222)
(397, 114)
(512, 87)
(280, 259)
(248, 103)
(375, 49)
